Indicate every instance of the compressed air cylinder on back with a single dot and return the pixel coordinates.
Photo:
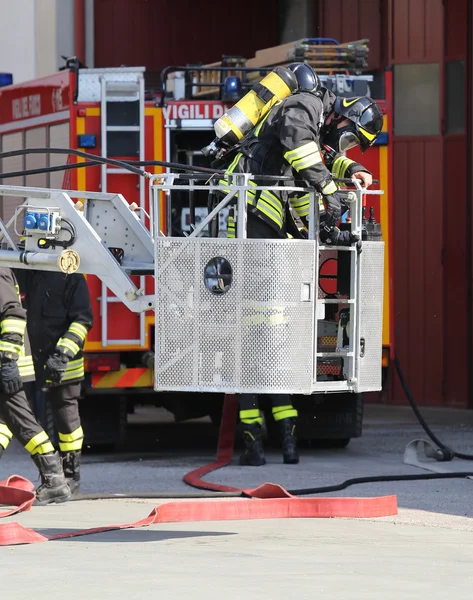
(248, 112)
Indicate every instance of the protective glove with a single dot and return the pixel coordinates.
(335, 237)
(56, 367)
(333, 208)
(10, 378)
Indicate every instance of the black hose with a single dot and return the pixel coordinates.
(446, 453)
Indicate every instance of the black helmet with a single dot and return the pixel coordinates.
(367, 118)
(307, 78)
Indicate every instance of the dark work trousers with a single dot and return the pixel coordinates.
(64, 402)
(249, 403)
(17, 415)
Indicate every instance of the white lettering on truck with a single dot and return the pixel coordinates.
(28, 106)
(193, 111)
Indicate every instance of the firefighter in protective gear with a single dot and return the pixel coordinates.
(16, 416)
(59, 318)
(294, 139)
(290, 140)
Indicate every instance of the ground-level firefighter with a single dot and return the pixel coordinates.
(16, 416)
(302, 136)
(59, 318)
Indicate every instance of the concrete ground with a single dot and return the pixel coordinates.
(424, 552)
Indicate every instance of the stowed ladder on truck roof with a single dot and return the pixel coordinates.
(121, 93)
(233, 315)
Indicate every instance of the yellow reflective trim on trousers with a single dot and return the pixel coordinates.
(46, 448)
(71, 437)
(306, 162)
(78, 329)
(284, 412)
(37, 440)
(301, 151)
(68, 345)
(251, 416)
(330, 188)
(71, 446)
(4, 441)
(13, 326)
(10, 347)
(4, 430)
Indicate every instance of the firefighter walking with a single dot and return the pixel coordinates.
(59, 318)
(16, 416)
(302, 136)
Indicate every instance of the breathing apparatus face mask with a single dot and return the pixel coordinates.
(343, 138)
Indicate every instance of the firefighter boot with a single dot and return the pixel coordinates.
(289, 441)
(71, 466)
(53, 486)
(254, 454)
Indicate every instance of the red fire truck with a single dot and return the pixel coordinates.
(110, 112)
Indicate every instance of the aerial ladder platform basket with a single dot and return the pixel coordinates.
(232, 315)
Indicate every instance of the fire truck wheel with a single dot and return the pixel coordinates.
(104, 420)
(324, 421)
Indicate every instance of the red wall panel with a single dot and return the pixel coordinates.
(156, 34)
(349, 20)
(455, 269)
(418, 271)
(415, 30)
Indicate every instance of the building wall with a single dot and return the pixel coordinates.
(33, 35)
(169, 32)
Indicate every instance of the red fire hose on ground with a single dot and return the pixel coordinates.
(268, 501)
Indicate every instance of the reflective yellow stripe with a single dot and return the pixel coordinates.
(368, 135)
(308, 161)
(13, 326)
(37, 440)
(69, 345)
(26, 371)
(234, 163)
(71, 437)
(269, 315)
(258, 128)
(74, 370)
(10, 347)
(284, 412)
(252, 415)
(301, 205)
(5, 431)
(340, 166)
(71, 446)
(4, 441)
(79, 330)
(330, 188)
(301, 152)
(45, 448)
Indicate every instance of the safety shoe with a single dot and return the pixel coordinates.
(71, 467)
(289, 441)
(254, 454)
(53, 488)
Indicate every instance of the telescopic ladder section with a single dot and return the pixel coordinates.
(122, 134)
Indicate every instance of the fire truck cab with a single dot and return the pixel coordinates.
(113, 113)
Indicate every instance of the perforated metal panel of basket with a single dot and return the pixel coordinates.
(254, 338)
(371, 316)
